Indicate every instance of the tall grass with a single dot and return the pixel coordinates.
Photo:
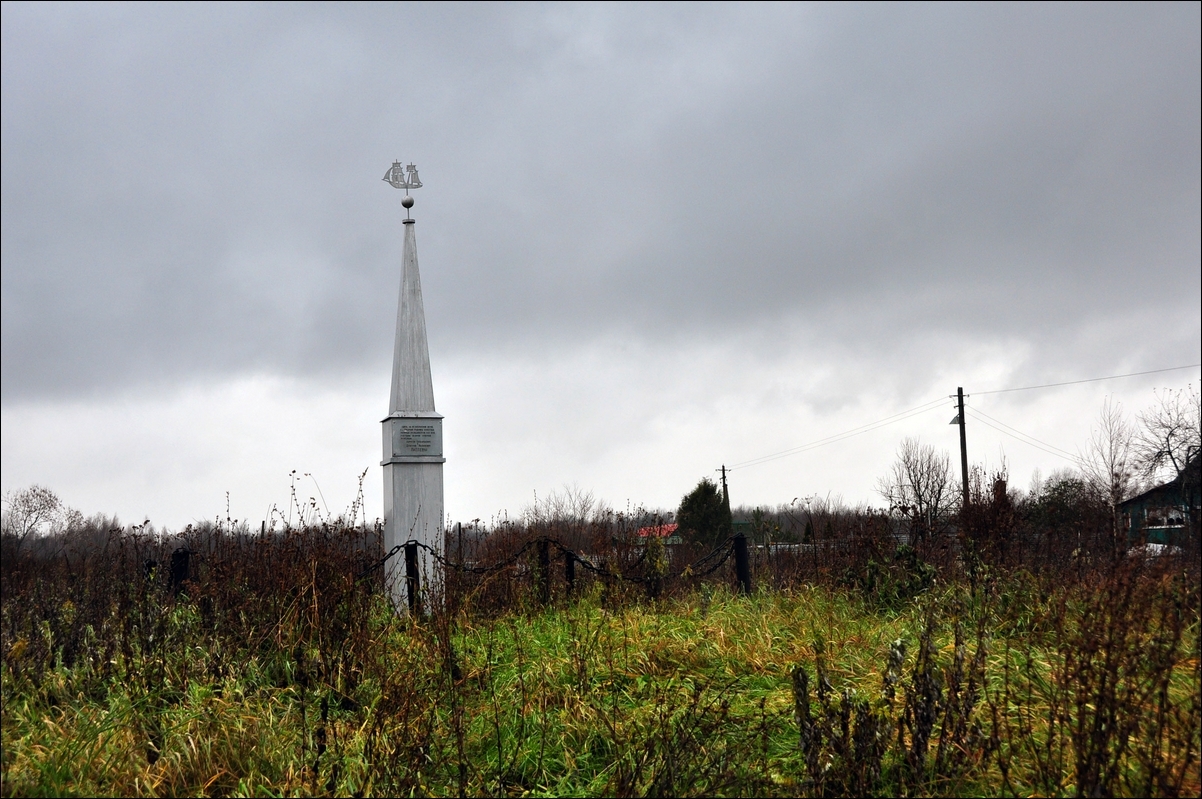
(276, 665)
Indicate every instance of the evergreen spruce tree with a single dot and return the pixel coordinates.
(704, 514)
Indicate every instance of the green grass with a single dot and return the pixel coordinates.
(687, 696)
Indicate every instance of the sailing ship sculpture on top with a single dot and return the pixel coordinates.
(402, 177)
(413, 487)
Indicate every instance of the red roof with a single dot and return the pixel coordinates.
(659, 530)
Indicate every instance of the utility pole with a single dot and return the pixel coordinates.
(727, 520)
(742, 560)
(963, 445)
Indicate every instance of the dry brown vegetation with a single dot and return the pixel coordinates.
(1009, 651)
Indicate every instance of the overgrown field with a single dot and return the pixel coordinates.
(1014, 684)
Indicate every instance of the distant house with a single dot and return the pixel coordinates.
(1167, 514)
(665, 531)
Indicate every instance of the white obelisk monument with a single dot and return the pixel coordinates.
(413, 498)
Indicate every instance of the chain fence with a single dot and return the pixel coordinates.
(460, 580)
(500, 566)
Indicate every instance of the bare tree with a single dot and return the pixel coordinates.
(919, 483)
(35, 511)
(572, 504)
(1109, 463)
(1169, 435)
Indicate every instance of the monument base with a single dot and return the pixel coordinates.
(413, 504)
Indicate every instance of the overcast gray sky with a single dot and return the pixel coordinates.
(653, 238)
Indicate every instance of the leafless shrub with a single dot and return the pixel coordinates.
(866, 746)
(1098, 714)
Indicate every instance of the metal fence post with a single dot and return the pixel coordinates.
(569, 570)
(412, 579)
(742, 566)
(179, 569)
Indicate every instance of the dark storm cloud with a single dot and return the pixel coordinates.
(195, 190)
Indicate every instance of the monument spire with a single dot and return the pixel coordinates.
(412, 386)
(413, 487)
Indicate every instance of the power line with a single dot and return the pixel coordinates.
(1019, 435)
(1089, 380)
(979, 413)
(916, 411)
(1028, 443)
(855, 431)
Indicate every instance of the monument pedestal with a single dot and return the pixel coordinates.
(413, 497)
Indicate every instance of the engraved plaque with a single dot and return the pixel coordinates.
(416, 437)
